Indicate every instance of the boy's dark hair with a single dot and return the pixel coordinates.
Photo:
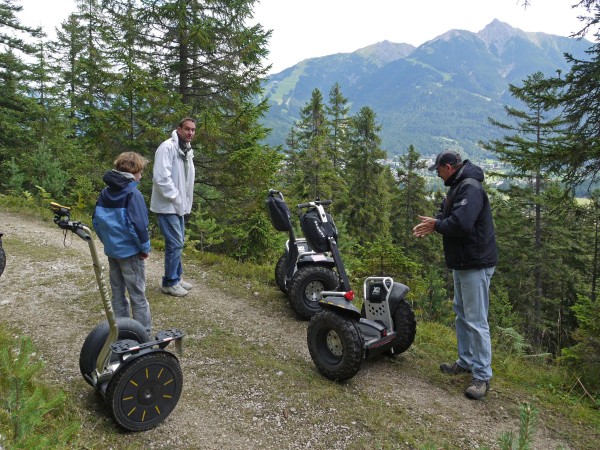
(130, 162)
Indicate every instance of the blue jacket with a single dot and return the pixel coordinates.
(121, 217)
(465, 221)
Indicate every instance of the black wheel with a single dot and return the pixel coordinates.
(280, 273)
(306, 285)
(128, 329)
(2, 259)
(143, 392)
(336, 345)
(405, 325)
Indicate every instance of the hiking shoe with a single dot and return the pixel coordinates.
(453, 369)
(477, 389)
(176, 290)
(184, 284)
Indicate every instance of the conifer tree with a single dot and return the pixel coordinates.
(140, 98)
(18, 111)
(525, 152)
(337, 113)
(209, 54)
(310, 164)
(411, 198)
(367, 207)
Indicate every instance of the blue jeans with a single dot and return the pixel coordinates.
(172, 228)
(471, 305)
(130, 273)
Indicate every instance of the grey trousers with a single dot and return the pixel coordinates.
(130, 274)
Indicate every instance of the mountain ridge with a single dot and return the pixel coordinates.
(432, 96)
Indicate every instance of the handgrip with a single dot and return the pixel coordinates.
(82, 234)
(315, 203)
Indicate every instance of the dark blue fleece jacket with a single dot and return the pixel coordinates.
(465, 221)
(121, 217)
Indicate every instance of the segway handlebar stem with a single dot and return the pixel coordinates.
(62, 218)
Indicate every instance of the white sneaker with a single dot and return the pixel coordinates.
(175, 290)
(184, 284)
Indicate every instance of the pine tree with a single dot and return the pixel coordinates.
(140, 99)
(411, 197)
(208, 54)
(310, 166)
(337, 114)
(525, 152)
(18, 111)
(579, 159)
(367, 208)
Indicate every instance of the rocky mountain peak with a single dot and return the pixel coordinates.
(496, 34)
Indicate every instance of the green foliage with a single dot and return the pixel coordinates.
(83, 194)
(436, 302)
(367, 206)
(584, 357)
(27, 406)
(382, 258)
(45, 170)
(501, 308)
(311, 172)
(14, 178)
(204, 229)
(509, 342)
(528, 421)
(410, 199)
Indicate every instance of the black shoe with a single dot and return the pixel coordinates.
(453, 369)
(477, 389)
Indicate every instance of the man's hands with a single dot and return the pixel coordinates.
(427, 226)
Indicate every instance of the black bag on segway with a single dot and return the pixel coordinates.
(315, 231)
(279, 213)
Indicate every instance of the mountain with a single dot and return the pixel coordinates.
(434, 96)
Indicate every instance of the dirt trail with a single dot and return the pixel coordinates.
(42, 296)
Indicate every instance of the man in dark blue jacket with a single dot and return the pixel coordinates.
(467, 228)
(121, 222)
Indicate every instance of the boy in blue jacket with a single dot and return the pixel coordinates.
(121, 222)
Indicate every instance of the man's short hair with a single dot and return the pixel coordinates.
(187, 119)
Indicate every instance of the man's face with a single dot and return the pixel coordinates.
(187, 131)
(444, 171)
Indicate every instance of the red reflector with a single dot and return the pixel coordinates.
(349, 296)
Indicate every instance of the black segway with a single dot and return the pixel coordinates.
(340, 337)
(139, 380)
(301, 272)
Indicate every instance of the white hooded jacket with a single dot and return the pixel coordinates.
(173, 179)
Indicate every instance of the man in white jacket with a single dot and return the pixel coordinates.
(172, 195)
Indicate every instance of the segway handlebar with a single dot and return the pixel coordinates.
(275, 192)
(62, 218)
(315, 203)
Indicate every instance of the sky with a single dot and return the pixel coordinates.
(304, 29)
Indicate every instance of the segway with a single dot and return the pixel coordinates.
(301, 272)
(139, 380)
(340, 337)
(2, 256)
